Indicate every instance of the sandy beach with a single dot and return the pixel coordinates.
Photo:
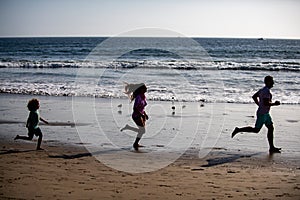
(66, 172)
(239, 168)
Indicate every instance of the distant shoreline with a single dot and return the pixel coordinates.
(116, 36)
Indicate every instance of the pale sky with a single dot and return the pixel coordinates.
(192, 18)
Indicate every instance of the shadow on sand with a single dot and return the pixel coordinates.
(12, 151)
(226, 158)
(87, 154)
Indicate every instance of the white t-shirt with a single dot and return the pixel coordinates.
(264, 93)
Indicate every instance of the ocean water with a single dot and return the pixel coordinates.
(184, 69)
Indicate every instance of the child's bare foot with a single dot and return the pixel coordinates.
(136, 146)
(275, 150)
(17, 137)
(39, 149)
(236, 130)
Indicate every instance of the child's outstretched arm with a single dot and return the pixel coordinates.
(43, 120)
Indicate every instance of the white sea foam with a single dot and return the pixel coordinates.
(163, 85)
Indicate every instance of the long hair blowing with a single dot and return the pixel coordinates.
(132, 90)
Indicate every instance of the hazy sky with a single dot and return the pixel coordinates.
(198, 18)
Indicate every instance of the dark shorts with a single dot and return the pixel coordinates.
(263, 119)
(36, 132)
(139, 120)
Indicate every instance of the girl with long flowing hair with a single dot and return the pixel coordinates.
(136, 93)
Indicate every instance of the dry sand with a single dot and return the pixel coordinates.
(70, 172)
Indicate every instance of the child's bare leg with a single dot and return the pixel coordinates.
(127, 127)
(248, 129)
(270, 136)
(136, 143)
(23, 137)
(141, 131)
(39, 142)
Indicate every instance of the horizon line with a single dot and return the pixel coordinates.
(163, 36)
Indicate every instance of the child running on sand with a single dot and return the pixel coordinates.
(136, 92)
(263, 98)
(33, 123)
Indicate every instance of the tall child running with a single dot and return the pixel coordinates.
(263, 98)
(33, 123)
(137, 92)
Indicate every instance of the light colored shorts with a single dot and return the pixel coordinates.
(263, 119)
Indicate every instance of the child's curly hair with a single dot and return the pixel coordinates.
(33, 104)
